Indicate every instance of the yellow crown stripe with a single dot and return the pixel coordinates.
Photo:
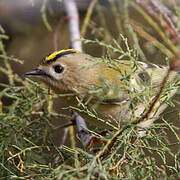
(54, 54)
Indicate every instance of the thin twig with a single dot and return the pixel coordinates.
(173, 30)
(1, 105)
(87, 18)
(157, 28)
(66, 130)
(58, 31)
(44, 15)
(152, 40)
(50, 101)
(156, 99)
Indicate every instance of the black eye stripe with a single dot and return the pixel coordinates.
(63, 54)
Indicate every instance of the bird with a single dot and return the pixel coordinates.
(107, 93)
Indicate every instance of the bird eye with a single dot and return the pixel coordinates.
(58, 69)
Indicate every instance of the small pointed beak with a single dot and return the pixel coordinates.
(36, 72)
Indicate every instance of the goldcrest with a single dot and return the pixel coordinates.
(114, 92)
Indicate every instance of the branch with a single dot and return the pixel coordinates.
(72, 12)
